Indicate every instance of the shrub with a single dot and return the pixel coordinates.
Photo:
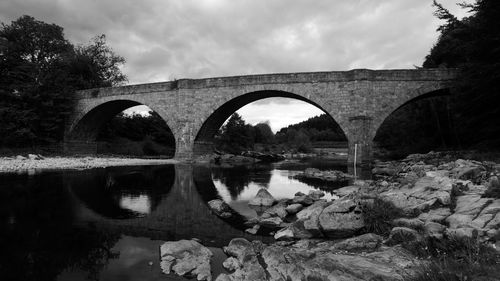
(455, 258)
(378, 216)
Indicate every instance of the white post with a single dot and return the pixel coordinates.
(355, 158)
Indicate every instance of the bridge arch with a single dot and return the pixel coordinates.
(203, 142)
(84, 126)
(396, 136)
(403, 100)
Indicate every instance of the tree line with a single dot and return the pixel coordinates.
(236, 135)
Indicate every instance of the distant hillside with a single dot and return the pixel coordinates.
(318, 128)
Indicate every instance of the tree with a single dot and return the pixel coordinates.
(263, 133)
(236, 136)
(97, 65)
(472, 44)
(39, 70)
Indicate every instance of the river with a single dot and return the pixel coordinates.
(108, 223)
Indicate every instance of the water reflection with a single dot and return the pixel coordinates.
(106, 224)
(279, 183)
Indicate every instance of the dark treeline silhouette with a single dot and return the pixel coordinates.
(469, 118)
(137, 134)
(236, 136)
(39, 70)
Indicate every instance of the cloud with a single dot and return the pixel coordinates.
(279, 112)
(192, 39)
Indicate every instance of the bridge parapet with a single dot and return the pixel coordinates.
(436, 74)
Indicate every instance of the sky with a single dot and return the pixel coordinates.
(163, 40)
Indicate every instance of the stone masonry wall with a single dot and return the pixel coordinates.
(358, 100)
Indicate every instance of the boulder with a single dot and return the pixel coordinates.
(342, 218)
(253, 230)
(463, 232)
(317, 263)
(249, 267)
(434, 230)
(277, 210)
(305, 200)
(274, 222)
(295, 230)
(316, 194)
(413, 223)
(263, 198)
(293, 208)
(310, 217)
(347, 190)
(220, 208)
(186, 257)
(231, 264)
(363, 242)
(402, 234)
(435, 215)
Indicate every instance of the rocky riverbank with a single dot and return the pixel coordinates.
(32, 163)
(419, 218)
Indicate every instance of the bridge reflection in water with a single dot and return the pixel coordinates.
(163, 203)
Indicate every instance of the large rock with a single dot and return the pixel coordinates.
(402, 234)
(342, 218)
(247, 267)
(295, 230)
(310, 217)
(365, 242)
(294, 208)
(304, 200)
(434, 230)
(220, 208)
(413, 223)
(427, 193)
(263, 198)
(435, 215)
(186, 257)
(317, 263)
(346, 190)
(316, 194)
(277, 210)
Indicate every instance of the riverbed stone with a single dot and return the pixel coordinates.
(220, 208)
(277, 210)
(295, 230)
(342, 218)
(273, 222)
(316, 194)
(253, 230)
(231, 264)
(402, 234)
(304, 200)
(365, 242)
(294, 208)
(413, 223)
(346, 190)
(186, 257)
(249, 266)
(262, 198)
(435, 215)
(310, 217)
(317, 263)
(434, 230)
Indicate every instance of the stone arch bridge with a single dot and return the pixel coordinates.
(358, 100)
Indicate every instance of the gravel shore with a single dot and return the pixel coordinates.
(27, 165)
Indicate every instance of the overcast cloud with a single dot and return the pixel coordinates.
(164, 40)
